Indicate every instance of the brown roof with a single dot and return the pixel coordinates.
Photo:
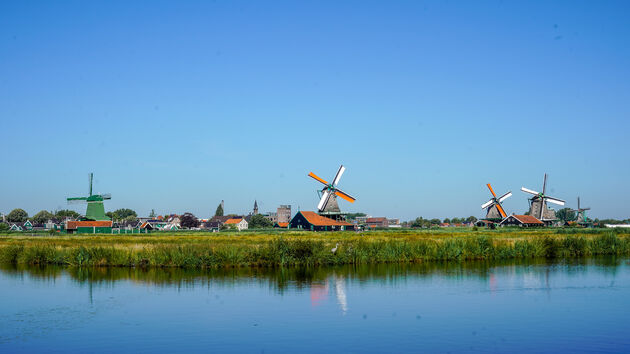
(283, 224)
(75, 224)
(527, 219)
(318, 220)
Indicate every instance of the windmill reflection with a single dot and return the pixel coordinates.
(320, 292)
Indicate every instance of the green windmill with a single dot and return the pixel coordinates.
(95, 207)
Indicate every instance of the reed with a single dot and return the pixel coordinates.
(196, 250)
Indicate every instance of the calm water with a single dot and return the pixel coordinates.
(515, 307)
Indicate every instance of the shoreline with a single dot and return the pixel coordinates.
(261, 249)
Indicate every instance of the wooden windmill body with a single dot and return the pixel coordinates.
(494, 209)
(538, 204)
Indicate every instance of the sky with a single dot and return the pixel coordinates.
(178, 105)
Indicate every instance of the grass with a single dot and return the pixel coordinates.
(269, 249)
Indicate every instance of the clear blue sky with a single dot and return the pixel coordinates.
(177, 105)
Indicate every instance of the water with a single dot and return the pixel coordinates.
(479, 307)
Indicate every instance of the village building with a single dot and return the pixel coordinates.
(284, 214)
(377, 222)
(309, 220)
(89, 227)
(521, 220)
(239, 223)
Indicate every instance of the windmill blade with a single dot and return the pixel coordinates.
(554, 200)
(505, 196)
(545, 184)
(106, 196)
(529, 191)
(543, 206)
(585, 209)
(491, 191)
(338, 176)
(503, 214)
(324, 200)
(77, 200)
(344, 196)
(312, 175)
(487, 204)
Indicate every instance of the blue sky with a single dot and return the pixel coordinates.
(177, 105)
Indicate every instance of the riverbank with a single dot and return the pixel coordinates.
(216, 250)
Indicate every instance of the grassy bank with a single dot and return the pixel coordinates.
(204, 250)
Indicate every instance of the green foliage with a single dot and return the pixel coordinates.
(63, 214)
(42, 217)
(4, 227)
(219, 211)
(258, 221)
(447, 221)
(566, 214)
(123, 214)
(17, 215)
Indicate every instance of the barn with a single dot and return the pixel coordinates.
(309, 220)
(521, 220)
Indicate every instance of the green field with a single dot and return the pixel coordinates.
(233, 249)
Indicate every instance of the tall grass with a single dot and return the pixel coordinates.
(302, 248)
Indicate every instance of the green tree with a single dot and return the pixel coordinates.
(3, 227)
(219, 211)
(63, 214)
(434, 221)
(471, 219)
(17, 215)
(447, 221)
(565, 214)
(42, 217)
(122, 214)
(259, 222)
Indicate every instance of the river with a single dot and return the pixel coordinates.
(569, 306)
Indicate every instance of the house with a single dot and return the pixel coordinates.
(377, 222)
(28, 225)
(281, 225)
(239, 223)
(89, 227)
(309, 220)
(15, 227)
(213, 226)
(486, 223)
(521, 220)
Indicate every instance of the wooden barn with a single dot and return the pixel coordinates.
(309, 220)
(522, 221)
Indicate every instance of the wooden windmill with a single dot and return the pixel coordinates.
(95, 207)
(538, 204)
(581, 214)
(493, 206)
(328, 205)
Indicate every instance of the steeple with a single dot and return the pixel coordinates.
(255, 207)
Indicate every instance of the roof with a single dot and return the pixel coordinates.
(527, 219)
(233, 221)
(75, 224)
(318, 220)
(283, 224)
(375, 219)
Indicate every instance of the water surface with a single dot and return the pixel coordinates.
(475, 306)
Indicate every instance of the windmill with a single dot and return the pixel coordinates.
(494, 208)
(538, 204)
(95, 208)
(328, 202)
(581, 214)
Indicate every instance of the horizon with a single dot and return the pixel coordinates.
(177, 106)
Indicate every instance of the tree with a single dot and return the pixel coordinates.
(122, 214)
(565, 214)
(152, 215)
(188, 220)
(434, 221)
(471, 219)
(219, 211)
(258, 221)
(17, 215)
(447, 221)
(63, 214)
(3, 227)
(42, 217)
